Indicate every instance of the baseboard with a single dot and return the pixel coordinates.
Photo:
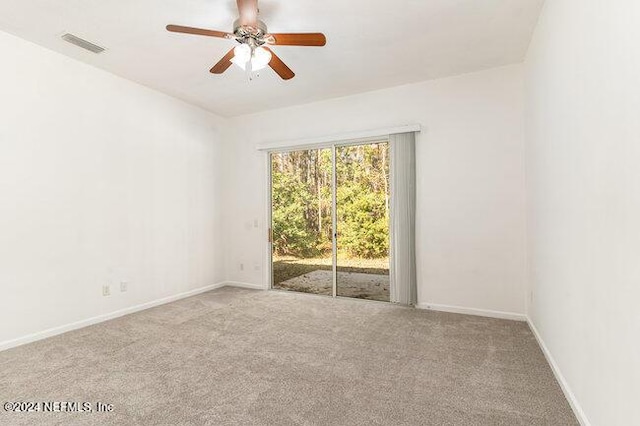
(573, 402)
(8, 344)
(243, 285)
(472, 311)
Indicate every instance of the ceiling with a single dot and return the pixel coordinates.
(371, 44)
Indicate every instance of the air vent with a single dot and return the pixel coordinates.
(87, 45)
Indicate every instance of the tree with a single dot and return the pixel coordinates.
(291, 233)
(302, 187)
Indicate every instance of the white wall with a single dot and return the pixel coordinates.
(470, 172)
(583, 174)
(101, 180)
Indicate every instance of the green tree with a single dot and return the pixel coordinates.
(302, 182)
(291, 233)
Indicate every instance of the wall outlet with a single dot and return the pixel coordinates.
(106, 290)
(124, 286)
(256, 267)
(242, 266)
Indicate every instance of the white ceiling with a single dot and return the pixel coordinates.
(371, 44)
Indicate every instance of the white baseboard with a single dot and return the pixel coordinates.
(573, 402)
(243, 285)
(472, 311)
(105, 317)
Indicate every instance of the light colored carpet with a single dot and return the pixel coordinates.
(235, 356)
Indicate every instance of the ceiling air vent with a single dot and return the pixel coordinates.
(87, 45)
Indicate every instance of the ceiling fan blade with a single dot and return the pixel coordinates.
(223, 64)
(198, 31)
(248, 10)
(299, 39)
(280, 67)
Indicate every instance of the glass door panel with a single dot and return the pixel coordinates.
(301, 216)
(362, 213)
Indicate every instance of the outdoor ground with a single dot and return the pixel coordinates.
(359, 278)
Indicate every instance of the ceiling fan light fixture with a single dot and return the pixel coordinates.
(242, 55)
(261, 58)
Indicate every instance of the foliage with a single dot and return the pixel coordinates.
(363, 225)
(302, 182)
(291, 235)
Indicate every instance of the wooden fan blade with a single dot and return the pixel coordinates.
(197, 31)
(223, 64)
(248, 10)
(280, 67)
(299, 39)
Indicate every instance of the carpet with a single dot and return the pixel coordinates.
(244, 357)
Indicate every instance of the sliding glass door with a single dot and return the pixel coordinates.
(330, 220)
(301, 221)
(362, 209)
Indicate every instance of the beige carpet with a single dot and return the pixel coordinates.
(234, 356)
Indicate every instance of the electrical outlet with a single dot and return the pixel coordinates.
(124, 286)
(242, 266)
(256, 267)
(106, 290)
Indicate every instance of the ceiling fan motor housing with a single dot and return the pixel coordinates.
(253, 36)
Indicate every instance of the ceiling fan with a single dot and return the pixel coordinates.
(253, 53)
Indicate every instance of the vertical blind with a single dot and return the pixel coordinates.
(403, 283)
